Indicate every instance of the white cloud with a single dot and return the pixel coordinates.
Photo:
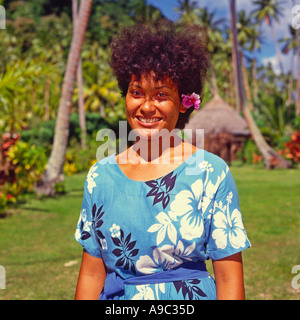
(274, 62)
(286, 60)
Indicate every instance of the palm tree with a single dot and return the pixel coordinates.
(101, 92)
(54, 168)
(256, 38)
(249, 38)
(271, 158)
(144, 12)
(290, 44)
(81, 111)
(215, 41)
(188, 11)
(237, 69)
(298, 70)
(245, 30)
(269, 10)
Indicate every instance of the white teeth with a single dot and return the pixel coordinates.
(148, 120)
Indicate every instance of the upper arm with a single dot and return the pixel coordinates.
(229, 277)
(91, 278)
(93, 266)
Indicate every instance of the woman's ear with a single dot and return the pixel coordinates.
(182, 109)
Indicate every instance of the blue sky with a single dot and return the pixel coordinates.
(221, 7)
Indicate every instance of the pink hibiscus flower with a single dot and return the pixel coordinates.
(191, 100)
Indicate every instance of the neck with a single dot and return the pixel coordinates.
(157, 149)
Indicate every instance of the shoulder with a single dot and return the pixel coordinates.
(101, 164)
(214, 160)
(207, 161)
(98, 171)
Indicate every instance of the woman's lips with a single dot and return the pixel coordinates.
(148, 122)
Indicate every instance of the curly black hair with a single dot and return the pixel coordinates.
(168, 50)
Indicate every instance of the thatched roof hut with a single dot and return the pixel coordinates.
(224, 129)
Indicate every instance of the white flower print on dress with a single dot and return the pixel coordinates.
(188, 204)
(164, 258)
(228, 226)
(145, 293)
(90, 178)
(204, 165)
(192, 204)
(85, 222)
(184, 253)
(115, 230)
(103, 244)
(77, 234)
(164, 226)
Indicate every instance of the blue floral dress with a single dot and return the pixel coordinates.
(141, 228)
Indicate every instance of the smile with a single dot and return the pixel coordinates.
(148, 120)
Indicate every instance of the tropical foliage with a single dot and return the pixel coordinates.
(34, 50)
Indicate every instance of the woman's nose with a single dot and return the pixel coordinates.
(148, 106)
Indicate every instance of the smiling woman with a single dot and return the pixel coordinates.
(152, 104)
(148, 226)
(167, 53)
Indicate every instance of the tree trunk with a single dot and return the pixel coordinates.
(231, 79)
(271, 158)
(298, 74)
(47, 99)
(215, 88)
(290, 84)
(246, 82)
(254, 75)
(297, 99)
(279, 58)
(81, 111)
(54, 168)
(239, 92)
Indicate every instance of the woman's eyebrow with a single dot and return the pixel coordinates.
(155, 88)
(162, 87)
(134, 85)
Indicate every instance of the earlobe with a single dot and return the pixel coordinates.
(182, 109)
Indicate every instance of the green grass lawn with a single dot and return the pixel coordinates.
(42, 259)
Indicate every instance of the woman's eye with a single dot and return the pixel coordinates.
(161, 95)
(136, 94)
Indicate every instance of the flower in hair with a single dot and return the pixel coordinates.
(191, 100)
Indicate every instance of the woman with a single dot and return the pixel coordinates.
(152, 215)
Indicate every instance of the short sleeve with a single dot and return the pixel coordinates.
(86, 230)
(227, 234)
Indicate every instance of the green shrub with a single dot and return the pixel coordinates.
(249, 153)
(43, 134)
(29, 162)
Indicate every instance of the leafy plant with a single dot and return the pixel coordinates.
(292, 148)
(29, 162)
(250, 153)
(21, 84)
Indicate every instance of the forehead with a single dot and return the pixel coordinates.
(151, 81)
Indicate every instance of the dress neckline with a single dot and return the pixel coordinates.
(177, 170)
